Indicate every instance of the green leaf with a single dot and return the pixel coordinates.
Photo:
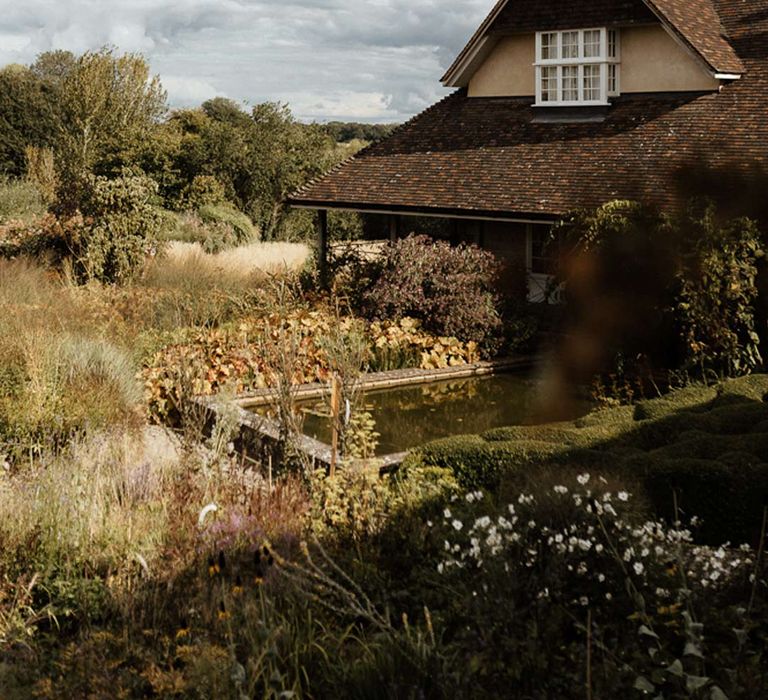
(716, 693)
(644, 685)
(692, 649)
(676, 668)
(694, 683)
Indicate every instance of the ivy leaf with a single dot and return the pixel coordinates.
(717, 694)
(676, 668)
(694, 683)
(647, 632)
(692, 649)
(644, 685)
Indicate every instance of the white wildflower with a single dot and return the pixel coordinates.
(638, 567)
(623, 496)
(583, 479)
(561, 490)
(457, 525)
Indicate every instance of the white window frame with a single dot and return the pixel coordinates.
(603, 61)
(539, 283)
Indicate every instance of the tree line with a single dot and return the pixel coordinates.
(66, 119)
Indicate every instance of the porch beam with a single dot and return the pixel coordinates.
(322, 248)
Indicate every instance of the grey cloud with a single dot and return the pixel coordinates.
(327, 58)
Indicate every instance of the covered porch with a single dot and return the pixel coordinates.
(520, 243)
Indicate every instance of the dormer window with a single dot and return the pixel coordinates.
(577, 67)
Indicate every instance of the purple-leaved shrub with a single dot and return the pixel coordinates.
(449, 288)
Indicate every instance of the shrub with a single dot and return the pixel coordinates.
(212, 237)
(675, 291)
(477, 463)
(717, 293)
(450, 289)
(226, 214)
(204, 190)
(728, 498)
(122, 228)
(109, 241)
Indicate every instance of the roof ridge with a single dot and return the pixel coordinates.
(495, 10)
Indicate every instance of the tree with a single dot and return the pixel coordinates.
(106, 103)
(52, 67)
(283, 155)
(27, 117)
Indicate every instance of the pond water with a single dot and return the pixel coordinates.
(413, 415)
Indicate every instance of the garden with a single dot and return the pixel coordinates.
(618, 553)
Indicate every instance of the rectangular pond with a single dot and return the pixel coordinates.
(409, 416)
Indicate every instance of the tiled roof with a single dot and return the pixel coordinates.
(567, 14)
(699, 25)
(487, 155)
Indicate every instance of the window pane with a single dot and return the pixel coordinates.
(592, 43)
(612, 43)
(544, 250)
(570, 44)
(549, 46)
(570, 83)
(591, 83)
(549, 85)
(613, 79)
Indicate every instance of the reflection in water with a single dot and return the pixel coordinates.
(410, 416)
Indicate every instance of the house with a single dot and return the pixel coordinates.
(560, 105)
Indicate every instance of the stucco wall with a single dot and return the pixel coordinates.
(651, 61)
(508, 70)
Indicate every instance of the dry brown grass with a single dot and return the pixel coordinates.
(242, 261)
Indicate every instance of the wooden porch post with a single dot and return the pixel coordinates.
(322, 247)
(394, 228)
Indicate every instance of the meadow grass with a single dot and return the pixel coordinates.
(242, 261)
(19, 201)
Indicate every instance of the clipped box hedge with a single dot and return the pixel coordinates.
(706, 445)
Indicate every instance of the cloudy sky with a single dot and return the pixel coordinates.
(373, 60)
